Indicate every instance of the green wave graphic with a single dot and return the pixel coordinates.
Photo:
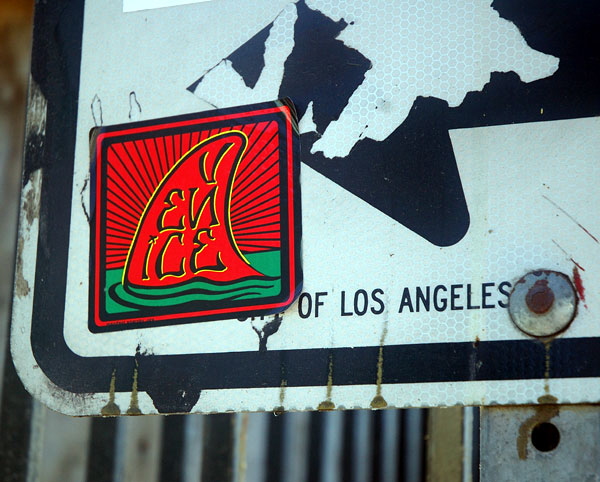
(122, 299)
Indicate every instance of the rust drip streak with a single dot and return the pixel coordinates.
(328, 404)
(571, 218)
(378, 400)
(281, 408)
(111, 409)
(282, 392)
(379, 370)
(546, 411)
(547, 346)
(134, 408)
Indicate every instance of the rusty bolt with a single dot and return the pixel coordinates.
(543, 303)
(540, 297)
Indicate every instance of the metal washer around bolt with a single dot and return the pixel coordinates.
(543, 303)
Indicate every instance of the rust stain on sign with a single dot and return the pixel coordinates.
(134, 408)
(31, 206)
(21, 285)
(281, 408)
(378, 401)
(547, 346)
(111, 409)
(328, 404)
(546, 411)
(30, 212)
(35, 131)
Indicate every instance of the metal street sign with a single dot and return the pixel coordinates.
(416, 226)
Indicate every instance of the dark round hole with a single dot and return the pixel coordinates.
(545, 437)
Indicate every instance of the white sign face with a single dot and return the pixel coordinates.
(447, 150)
(136, 5)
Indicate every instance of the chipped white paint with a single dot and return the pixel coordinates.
(34, 380)
(448, 49)
(35, 123)
(442, 49)
(223, 78)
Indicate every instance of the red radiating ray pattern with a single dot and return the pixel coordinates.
(135, 168)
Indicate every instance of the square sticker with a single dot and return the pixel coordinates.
(196, 218)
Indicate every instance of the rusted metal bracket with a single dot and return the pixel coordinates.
(540, 442)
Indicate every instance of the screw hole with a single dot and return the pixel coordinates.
(545, 437)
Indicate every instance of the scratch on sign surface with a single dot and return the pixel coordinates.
(571, 218)
(96, 107)
(81, 195)
(567, 255)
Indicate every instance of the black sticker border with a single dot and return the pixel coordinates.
(289, 170)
